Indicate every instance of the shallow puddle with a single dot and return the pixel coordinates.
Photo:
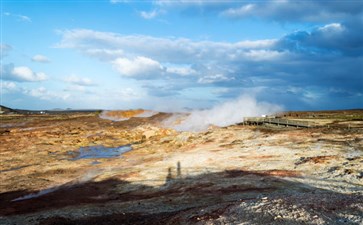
(99, 151)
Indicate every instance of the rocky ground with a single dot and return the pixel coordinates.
(232, 175)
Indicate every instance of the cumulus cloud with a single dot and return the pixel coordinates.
(329, 54)
(342, 38)
(40, 58)
(21, 74)
(171, 50)
(140, 66)
(80, 81)
(152, 57)
(7, 87)
(26, 74)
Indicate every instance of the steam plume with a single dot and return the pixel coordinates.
(225, 114)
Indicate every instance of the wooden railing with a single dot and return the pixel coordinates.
(276, 121)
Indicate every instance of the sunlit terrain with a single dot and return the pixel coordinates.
(79, 168)
(205, 112)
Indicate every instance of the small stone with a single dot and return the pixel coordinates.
(360, 175)
(277, 217)
(148, 134)
(332, 169)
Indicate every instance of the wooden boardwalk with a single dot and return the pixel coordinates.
(276, 121)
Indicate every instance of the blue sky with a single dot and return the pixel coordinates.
(170, 55)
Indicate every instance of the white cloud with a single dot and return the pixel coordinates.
(39, 92)
(241, 11)
(256, 44)
(22, 74)
(138, 67)
(181, 71)
(7, 87)
(24, 18)
(80, 81)
(332, 27)
(264, 55)
(104, 54)
(25, 73)
(333, 38)
(214, 78)
(43, 93)
(151, 14)
(164, 50)
(40, 58)
(182, 64)
(19, 17)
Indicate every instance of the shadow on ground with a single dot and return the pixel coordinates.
(181, 200)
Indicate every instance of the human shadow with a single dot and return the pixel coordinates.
(183, 199)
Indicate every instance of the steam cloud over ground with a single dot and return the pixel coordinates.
(225, 114)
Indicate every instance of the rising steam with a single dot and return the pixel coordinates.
(226, 114)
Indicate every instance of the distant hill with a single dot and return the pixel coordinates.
(7, 110)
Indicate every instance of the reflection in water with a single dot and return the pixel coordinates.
(100, 151)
